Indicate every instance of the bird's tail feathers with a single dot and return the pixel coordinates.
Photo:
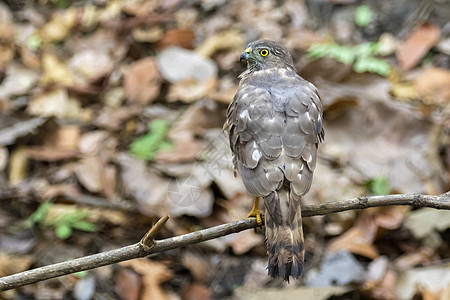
(284, 234)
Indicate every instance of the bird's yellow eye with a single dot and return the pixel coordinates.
(264, 52)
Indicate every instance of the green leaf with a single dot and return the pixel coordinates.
(371, 64)
(318, 51)
(363, 15)
(69, 218)
(379, 185)
(343, 54)
(84, 226)
(367, 49)
(63, 231)
(146, 146)
(40, 213)
(81, 274)
(34, 42)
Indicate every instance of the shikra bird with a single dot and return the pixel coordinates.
(275, 126)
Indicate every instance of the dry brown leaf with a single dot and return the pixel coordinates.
(4, 155)
(18, 81)
(385, 289)
(417, 45)
(142, 81)
(221, 41)
(18, 165)
(98, 142)
(153, 274)
(149, 189)
(409, 260)
(59, 26)
(61, 144)
(197, 292)
(197, 265)
(6, 44)
(193, 75)
(55, 71)
(113, 118)
(58, 103)
(18, 128)
(53, 191)
(358, 239)
(96, 175)
(434, 86)
(147, 35)
(91, 64)
(402, 91)
(30, 59)
(391, 217)
(244, 241)
(13, 264)
(177, 37)
(183, 151)
(128, 284)
(50, 154)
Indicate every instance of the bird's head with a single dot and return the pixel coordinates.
(265, 54)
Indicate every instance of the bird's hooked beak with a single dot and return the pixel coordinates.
(245, 55)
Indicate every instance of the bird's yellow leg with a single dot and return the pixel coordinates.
(256, 212)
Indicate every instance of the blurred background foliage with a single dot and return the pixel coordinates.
(111, 116)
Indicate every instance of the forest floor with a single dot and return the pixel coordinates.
(111, 116)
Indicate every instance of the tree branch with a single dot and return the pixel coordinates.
(149, 246)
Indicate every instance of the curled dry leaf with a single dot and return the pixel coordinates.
(142, 81)
(358, 239)
(417, 45)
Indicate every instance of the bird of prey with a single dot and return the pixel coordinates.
(275, 126)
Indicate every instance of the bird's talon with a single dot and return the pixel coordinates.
(256, 212)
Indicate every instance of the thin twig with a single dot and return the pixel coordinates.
(149, 246)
